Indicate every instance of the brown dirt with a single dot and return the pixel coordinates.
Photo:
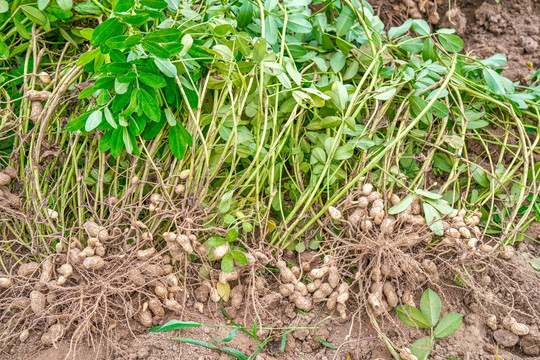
(511, 28)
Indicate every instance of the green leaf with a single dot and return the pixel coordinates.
(109, 117)
(326, 343)
(117, 141)
(152, 80)
(293, 73)
(65, 5)
(283, 341)
(450, 42)
(341, 95)
(480, 176)
(497, 83)
(385, 93)
(433, 218)
(79, 122)
(430, 306)
(299, 24)
(240, 257)
(418, 104)
(166, 67)
(154, 4)
(232, 235)
(396, 32)
(448, 325)
(271, 34)
(175, 325)
(421, 27)
(234, 353)
(337, 61)
(41, 4)
(535, 263)
(441, 205)
(428, 194)
(149, 105)
(198, 342)
(411, 316)
(227, 263)
(133, 40)
(34, 15)
(215, 241)
(93, 120)
(124, 5)
(421, 348)
(402, 205)
(176, 141)
(156, 50)
(244, 15)
(230, 336)
(170, 117)
(344, 22)
(164, 36)
(129, 145)
(429, 51)
(106, 30)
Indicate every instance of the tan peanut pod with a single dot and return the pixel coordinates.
(356, 217)
(301, 288)
(335, 214)
(491, 322)
(332, 301)
(407, 298)
(87, 252)
(390, 293)
(146, 254)
(157, 308)
(376, 304)
(374, 196)
(366, 225)
(145, 318)
(333, 277)
(286, 289)
(376, 274)
(363, 202)
(367, 188)
(391, 270)
(519, 329)
(313, 286)
(185, 243)
(319, 273)
(322, 293)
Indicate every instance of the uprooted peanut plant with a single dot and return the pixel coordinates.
(149, 147)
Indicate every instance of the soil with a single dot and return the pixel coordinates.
(511, 28)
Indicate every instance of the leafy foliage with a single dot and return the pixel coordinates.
(428, 317)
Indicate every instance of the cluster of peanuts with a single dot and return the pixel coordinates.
(157, 273)
(383, 295)
(7, 198)
(156, 199)
(370, 213)
(458, 226)
(508, 323)
(40, 297)
(325, 286)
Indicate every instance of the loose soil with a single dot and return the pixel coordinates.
(511, 28)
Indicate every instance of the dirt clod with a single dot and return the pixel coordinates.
(505, 338)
